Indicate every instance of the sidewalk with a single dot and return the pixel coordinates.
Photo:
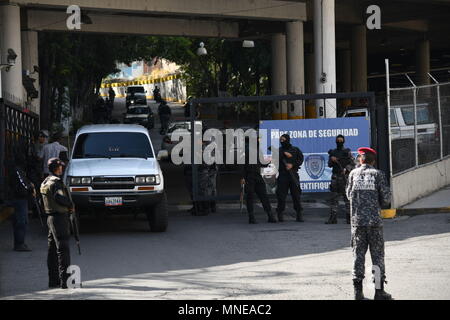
(437, 202)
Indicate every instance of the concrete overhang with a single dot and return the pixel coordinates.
(412, 25)
(42, 20)
(241, 9)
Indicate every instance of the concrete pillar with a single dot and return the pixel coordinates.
(295, 60)
(345, 68)
(279, 74)
(10, 38)
(30, 58)
(345, 71)
(309, 73)
(310, 107)
(422, 62)
(359, 58)
(325, 55)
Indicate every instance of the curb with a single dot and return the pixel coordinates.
(5, 213)
(392, 213)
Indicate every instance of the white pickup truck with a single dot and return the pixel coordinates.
(114, 167)
(402, 131)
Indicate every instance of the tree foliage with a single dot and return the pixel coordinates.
(72, 66)
(228, 67)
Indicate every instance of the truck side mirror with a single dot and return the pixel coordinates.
(162, 154)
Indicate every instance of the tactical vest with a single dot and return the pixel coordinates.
(50, 204)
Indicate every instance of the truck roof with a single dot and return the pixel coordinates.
(95, 128)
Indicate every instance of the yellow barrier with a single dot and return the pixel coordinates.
(388, 213)
(311, 112)
(140, 82)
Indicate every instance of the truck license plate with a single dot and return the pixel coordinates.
(113, 201)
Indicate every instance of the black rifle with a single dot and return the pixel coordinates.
(241, 198)
(296, 181)
(293, 176)
(75, 230)
(341, 168)
(74, 224)
(39, 209)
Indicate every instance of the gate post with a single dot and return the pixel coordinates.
(383, 132)
(2, 150)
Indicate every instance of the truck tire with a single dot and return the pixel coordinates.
(158, 216)
(403, 156)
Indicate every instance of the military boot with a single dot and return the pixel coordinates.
(280, 217)
(380, 294)
(251, 218)
(299, 217)
(54, 284)
(358, 287)
(332, 219)
(271, 217)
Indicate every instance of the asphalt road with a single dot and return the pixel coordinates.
(222, 257)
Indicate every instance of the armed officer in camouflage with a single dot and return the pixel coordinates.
(58, 205)
(342, 162)
(367, 191)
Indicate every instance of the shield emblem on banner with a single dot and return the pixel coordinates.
(315, 166)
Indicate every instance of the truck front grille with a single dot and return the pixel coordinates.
(113, 183)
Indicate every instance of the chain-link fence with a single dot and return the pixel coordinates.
(419, 125)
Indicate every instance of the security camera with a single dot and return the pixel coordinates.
(11, 58)
(323, 78)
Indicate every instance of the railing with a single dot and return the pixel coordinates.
(419, 118)
(18, 129)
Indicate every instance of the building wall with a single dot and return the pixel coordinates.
(415, 184)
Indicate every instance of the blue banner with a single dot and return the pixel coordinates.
(315, 137)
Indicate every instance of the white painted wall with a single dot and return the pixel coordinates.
(412, 185)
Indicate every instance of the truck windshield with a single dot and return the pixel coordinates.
(112, 145)
(423, 115)
(139, 110)
(135, 90)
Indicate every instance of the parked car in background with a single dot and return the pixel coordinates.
(113, 166)
(136, 95)
(142, 115)
(185, 129)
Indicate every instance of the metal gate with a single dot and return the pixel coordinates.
(18, 130)
(378, 123)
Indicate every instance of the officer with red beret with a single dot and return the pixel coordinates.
(367, 191)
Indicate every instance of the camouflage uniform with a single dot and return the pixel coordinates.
(339, 180)
(367, 191)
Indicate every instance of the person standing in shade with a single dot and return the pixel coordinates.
(52, 150)
(254, 184)
(112, 95)
(21, 188)
(367, 191)
(164, 113)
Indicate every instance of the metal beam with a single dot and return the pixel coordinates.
(41, 20)
(245, 9)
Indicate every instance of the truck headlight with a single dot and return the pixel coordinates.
(153, 179)
(77, 181)
(86, 180)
